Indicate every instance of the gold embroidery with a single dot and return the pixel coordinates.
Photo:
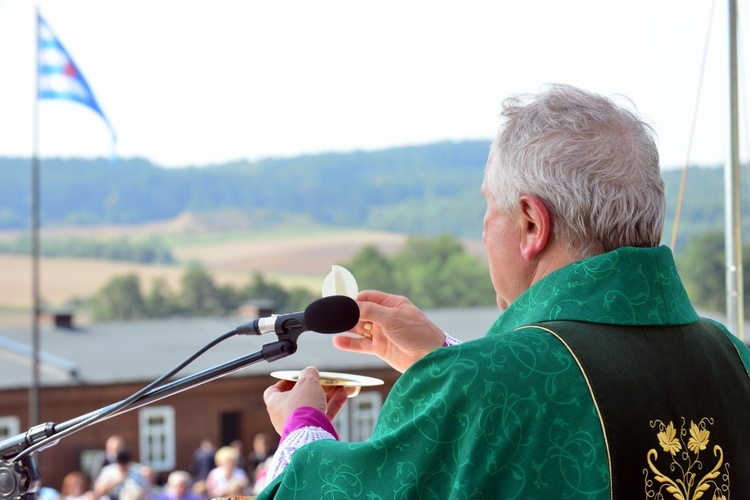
(683, 479)
(668, 439)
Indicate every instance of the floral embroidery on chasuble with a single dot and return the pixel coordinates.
(512, 416)
(673, 401)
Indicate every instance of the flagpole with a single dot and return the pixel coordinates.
(55, 66)
(34, 417)
(733, 226)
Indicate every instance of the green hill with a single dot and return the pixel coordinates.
(429, 189)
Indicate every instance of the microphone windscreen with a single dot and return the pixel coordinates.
(334, 314)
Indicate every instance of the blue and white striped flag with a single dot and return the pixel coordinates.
(60, 78)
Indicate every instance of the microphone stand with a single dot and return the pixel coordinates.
(19, 477)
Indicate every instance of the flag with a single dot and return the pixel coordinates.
(60, 78)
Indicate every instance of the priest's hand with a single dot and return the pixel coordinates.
(392, 328)
(286, 396)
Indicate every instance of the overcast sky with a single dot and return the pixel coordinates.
(187, 82)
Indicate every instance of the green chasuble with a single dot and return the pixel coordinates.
(510, 415)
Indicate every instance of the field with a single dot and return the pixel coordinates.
(299, 258)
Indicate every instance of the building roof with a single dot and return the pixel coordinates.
(142, 351)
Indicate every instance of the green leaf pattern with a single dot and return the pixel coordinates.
(506, 416)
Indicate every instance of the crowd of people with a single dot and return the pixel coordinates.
(115, 475)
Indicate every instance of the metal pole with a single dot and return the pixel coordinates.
(733, 229)
(35, 307)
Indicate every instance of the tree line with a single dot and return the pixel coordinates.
(124, 297)
(429, 189)
(702, 266)
(432, 272)
(93, 192)
(152, 250)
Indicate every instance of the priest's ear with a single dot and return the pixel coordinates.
(535, 220)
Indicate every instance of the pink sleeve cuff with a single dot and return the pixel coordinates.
(307, 416)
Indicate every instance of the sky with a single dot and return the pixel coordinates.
(198, 83)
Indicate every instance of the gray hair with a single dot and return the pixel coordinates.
(594, 164)
(178, 476)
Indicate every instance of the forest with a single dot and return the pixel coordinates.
(429, 189)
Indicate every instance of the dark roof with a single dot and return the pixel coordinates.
(142, 351)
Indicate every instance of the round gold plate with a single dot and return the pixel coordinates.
(352, 382)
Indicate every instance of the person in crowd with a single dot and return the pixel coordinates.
(237, 488)
(76, 486)
(203, 460)
(238, 445)
(223, 480)
(153, 487)
(598, 380)
(132, 491)
(178, 487)
(199, 488)
(264, 447)
(107, 456)
(121, 475)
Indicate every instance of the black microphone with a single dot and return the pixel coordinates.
(334, 314)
